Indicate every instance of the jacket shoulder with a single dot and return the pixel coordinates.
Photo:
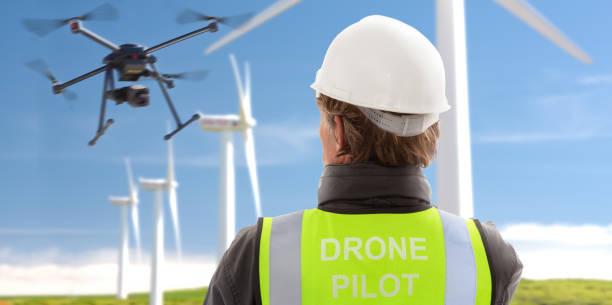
(504, 263)
(236, 280)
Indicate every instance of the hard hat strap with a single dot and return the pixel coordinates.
(406, 125)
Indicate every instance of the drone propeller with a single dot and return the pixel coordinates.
(42, 27)
(69, 95)
(41, 67)
(192, 75)
(189, 16)
(104, 12)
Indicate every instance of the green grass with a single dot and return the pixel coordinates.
(563, 292)
(530, 292)
(178, 297)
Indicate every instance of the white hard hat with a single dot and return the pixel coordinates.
(381, 63)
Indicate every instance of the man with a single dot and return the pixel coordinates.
(375, 237)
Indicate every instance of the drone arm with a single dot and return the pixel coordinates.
(59, 87)
(93, 36)
(212, 27)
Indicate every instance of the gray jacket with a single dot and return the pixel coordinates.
(360, 188)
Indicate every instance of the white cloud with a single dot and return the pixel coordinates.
(562, 251)
(53, 272)
(556, 100)
(596, 79)
(296, 136)
(558, 116)
(577, 235)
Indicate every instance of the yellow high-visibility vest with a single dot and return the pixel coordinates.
(314, 257)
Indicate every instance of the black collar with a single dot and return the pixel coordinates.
(369, 187)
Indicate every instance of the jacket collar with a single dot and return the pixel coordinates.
(368, 182)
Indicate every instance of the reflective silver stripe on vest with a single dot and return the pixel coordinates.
(460, 285)
(285, 261)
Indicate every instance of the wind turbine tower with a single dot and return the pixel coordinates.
(124, 203)
(157, 186)
(454, 174)
(226, 125)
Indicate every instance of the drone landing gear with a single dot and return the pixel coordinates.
(102, 127)
(180, 126)
(101, 132)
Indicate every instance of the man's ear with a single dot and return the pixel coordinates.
(339, 134)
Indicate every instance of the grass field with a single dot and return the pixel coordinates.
(530, 292)
(179, 297)
(563, 292)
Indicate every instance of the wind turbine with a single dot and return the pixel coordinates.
(226, 125)
(454, 153)
(124, 203)
(157, 261)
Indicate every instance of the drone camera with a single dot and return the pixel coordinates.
(135, 95)
(138, 96)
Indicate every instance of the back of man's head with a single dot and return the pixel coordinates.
(387, 82)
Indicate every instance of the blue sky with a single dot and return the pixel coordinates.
(540, 122)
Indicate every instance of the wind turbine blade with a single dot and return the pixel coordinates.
(238, 86)
(134, 206)
(265, 15)
(524, 11)
(170, 158)
(175, 221)
(133, 189)
(249, 148)
(136, 226)
(246, 101)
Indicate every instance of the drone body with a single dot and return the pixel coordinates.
(130, 60)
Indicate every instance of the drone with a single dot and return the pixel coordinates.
(130, 61)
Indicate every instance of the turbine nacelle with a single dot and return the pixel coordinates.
(121, 201)
(157, 184)
(229, 122)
